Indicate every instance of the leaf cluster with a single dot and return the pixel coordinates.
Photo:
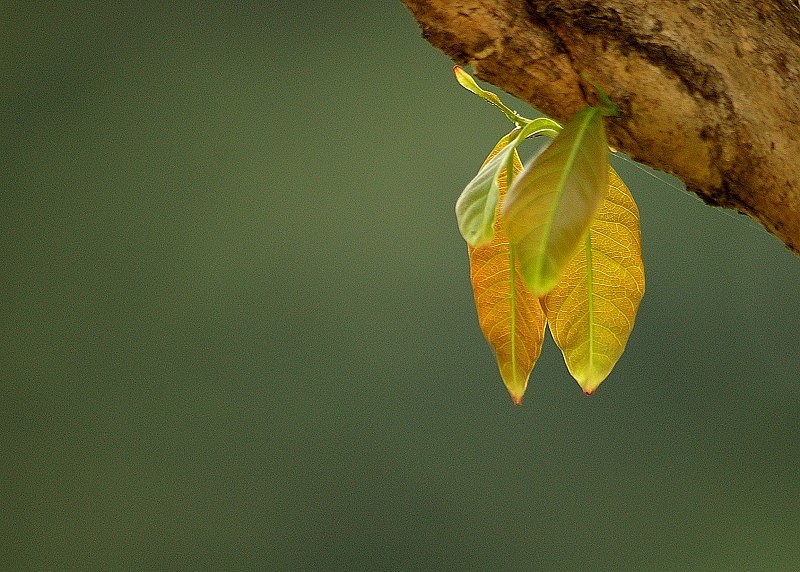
(555, 243)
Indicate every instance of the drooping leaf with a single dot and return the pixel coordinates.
(552, 203)
(476, 208)
(511, 318)
(591, 310)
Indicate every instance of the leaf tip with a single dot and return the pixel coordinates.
(539, 284)
(463, 78)
(515, 383)
(516, 389)
(589, 386)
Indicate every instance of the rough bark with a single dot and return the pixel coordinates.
(708, 90)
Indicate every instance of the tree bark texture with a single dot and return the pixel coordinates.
(708, 90)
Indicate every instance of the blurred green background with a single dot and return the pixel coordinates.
(237, 328)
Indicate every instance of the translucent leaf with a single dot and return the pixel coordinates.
(511, 318)
(476, 207)
(591, 310)
(552, 203)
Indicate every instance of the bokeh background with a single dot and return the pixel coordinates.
(237, 328)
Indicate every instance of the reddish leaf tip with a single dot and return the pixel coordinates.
(517, 399)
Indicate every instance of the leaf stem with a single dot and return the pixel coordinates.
(468, 82)
(609, 108)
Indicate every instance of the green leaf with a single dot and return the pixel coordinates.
(592, 308)
(468, 82)
(476, 207)
(552, 203)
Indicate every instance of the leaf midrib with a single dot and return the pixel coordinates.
(573, 153)
(513, 295)
(590, 294)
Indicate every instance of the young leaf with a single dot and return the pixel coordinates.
(511, 318)
(476, 208)
(552, 203)
(592, 309)
(468, 83)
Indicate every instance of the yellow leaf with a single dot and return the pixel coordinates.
(511, 318)
(592, 308)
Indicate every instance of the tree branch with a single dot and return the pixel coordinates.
(708, 90)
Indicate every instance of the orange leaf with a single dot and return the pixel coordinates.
(511, 318)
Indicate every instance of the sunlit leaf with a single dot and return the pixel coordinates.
(476, 207)
(591, 310)
(551, 204)
(511, 318)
